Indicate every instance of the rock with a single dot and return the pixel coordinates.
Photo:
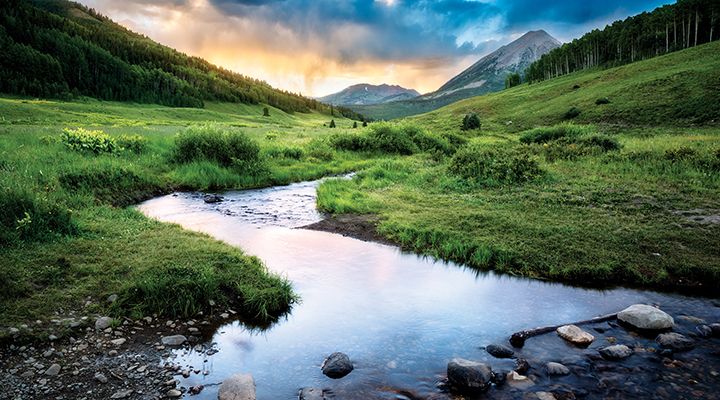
(499, 351)
(118, 342)
(545, 396)
(175, 340)
(311, 394)
(469, 376)
(237, 387)
(212, 198)
(196, 389)
(519, 381)
(616, 352)
(172, 393)
(100, 377)
(522, 366)
(337, 365)
(112, 353)
(112, 298)
(642, 316)
(715, 329)
(122, 394)
(27, 374)
(675, 341)
(554, 368)
(500, 377)
(103, 323)
(53, 370)
(575, 335)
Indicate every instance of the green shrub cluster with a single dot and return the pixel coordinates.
(483, 165)
(292, 152)
(404, 139)
(87, 141)
(576, 147)
(602, 100)
(110, 183)
(546, 134)
(26, 215)
(470, 122)
(572, 113)
(134, 143)
(214, 143)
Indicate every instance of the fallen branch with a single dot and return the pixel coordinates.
(518, 338)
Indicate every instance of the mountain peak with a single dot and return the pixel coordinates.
(365, 93)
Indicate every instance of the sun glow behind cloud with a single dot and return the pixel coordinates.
(321, 46)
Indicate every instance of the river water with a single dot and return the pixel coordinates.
(400, 317)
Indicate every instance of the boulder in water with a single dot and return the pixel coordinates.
(499, 351)
(237, 387)
(337, 365)
(616, 352)
(575, 335)
(643, 316)
(675, 341)
(469, 376)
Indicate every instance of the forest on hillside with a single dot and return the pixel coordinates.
(59, 49)
(673, 27)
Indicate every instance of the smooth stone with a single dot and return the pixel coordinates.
(118, 342)
(103, 323)
(101, 377)
(237, 387)
(53, 370)
(616, 352)
(519, 381)
(575, 335)
(311, 394)
(675, 341)
(337, 365)
(469, 376)
(545, 396)
(554, 368)
(174, 340)
(643, 316)
(173, 393)
(499, 351)
(112, 298)
(122, 394)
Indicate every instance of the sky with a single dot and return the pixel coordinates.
(318, 47)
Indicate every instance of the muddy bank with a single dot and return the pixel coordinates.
(357, 226)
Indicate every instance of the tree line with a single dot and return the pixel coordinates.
(669, 28)
(60, 49)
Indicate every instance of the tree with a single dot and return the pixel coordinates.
(354, 124)
(512, 80)
(471, 122)
(266, 112)
(332, 123)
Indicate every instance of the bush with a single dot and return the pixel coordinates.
(295, 153)
(680, 154)
(134, 143)
(454, 139)
(548, 134)
(319, 149)
(479, 164)
(212, 143)
(602, 100)
(26, 216)
(574, 147)
(350, 142)
(471, 122)
(572, 113)
(109, 183)
(83, 140)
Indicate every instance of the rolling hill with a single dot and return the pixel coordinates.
(365, 94)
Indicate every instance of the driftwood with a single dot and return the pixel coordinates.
(518, 338)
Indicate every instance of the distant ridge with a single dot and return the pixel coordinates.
(365, 94)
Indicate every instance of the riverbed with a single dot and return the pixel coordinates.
(399, 316)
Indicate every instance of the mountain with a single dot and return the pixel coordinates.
(61, 49)
(364, 94)
(485, 76)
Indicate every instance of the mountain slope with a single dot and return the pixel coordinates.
(486, 75)
(60, 49)
(364, 94)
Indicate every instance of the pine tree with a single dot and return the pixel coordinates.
(354, 124)
(332, 123)
(266, 112)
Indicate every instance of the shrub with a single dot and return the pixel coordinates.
(572, 113)
(83, 140)
(547, 134)
(285, 152)
(391, 138)
(602, 100)
(212, 143)
(266, 112)
(471, 122)
(332, 123)
(492, 166)
(680, 154)
(134, 143)
(573, 148)
(350, 142)
(319, 149)
(109, 183)
(25, 216)
(454, 139)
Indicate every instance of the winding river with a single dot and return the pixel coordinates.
(400, 317)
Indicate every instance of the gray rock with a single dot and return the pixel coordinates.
(545, 396)
(704, 331)
(469, 376)
(519, 381)
(675, 341)
(616, 352)
(100, 377)
(499, 351)
(522, 366)
(575, 335)
(311, 394)
(646, 317)
(212, 198)
(122, 394)
(118, 342)
(53, 370)
(554, 368)
(103, 323)
(237, 387)
(196, 389)
(174, 340)
(172, 393)
(337, 365)
(112, 298)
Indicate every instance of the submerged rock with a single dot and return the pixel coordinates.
(175, 340)
(646, 317)
(522, 366)
(616, 352)
(675, 341)
(554, 368)
(519, 381)
(575, 335)
(337, 365)
(212, 198)
(469, 376)
(704, 331)
(237, 387)
(499, 351)
(311, 394)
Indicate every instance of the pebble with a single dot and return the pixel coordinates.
(175, 340)
(103, 323)
(118, 342)
(616, 352)
(554, 368)
(101, 378)
(53, 370)
(122, 394)
(173, 393)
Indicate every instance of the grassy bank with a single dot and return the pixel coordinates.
(69, 171)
